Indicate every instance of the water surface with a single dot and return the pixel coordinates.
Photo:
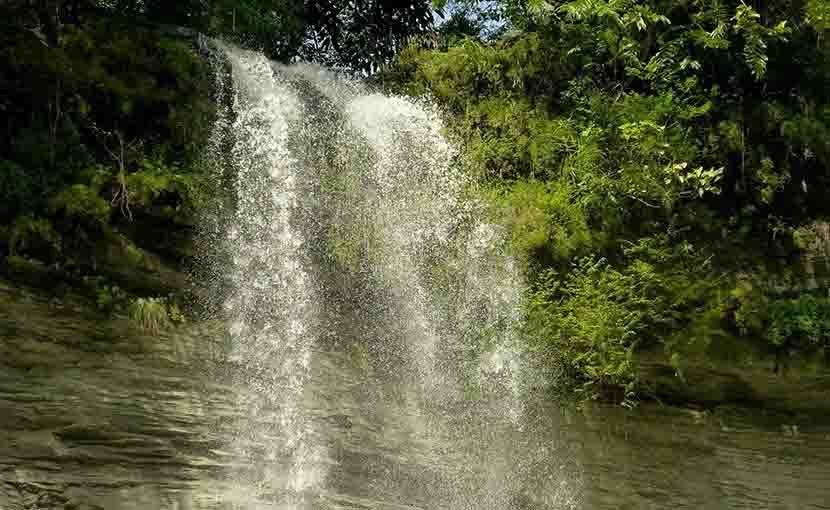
(94, 419)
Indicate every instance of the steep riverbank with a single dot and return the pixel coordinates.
(800, 390)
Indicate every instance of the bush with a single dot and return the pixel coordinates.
(149, 313)
(751, 306)
(36, 238)
(544, 220)
(598, 314)
(802, 322)
(63, 103)
(110, 299)
(81, 203)
(163, 188)
(155, 314)
(596, 317)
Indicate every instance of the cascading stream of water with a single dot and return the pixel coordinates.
(270, 310)
(353, 230)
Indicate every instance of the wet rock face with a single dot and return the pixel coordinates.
(21, 495)
(92, 411)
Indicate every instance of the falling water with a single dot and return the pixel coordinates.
(352, 235)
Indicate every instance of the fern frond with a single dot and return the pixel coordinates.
(755, 54)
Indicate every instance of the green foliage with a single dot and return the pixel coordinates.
(154, 314)
(82, 204)
(101, 114)
(36, 238)
(756, 35)
(174, 312)
(813, 240)
(90, 102)
(817, 14)
(802, 322)
(751, 307)
(644, 154)
(149, 313)
(110, 299)
(593, 319)
(143, 87)
(545, 221)
(596, 315)
(161, 189)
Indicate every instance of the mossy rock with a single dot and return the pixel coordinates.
(801, 388)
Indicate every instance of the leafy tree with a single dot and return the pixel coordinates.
(360, 35)
(604, 125)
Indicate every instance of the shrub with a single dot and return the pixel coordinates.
(155, 314)
(149, 313)
(163, 187)
(751, 307)
(110, 299)
(544, 220)
(802, 322)
(132, 254)
(35, 237)
(81, 203)
(174, 312)
(597, 315)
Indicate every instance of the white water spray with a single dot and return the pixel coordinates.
(352, 227)
(270, 310)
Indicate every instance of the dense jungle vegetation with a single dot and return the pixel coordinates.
(661, 166)
(105, 109)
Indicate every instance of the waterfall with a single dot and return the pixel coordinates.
(351, 228)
